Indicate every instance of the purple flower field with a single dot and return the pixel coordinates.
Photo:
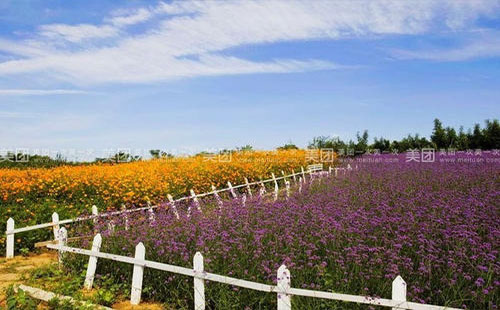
(435, 224)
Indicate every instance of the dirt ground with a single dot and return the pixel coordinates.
(12, 269)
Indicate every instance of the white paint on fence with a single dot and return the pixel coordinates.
(151, 212)
(398, 291)
(55, 224)
(199, 283)
(125, 216)
(62, 240)
(294, 176)
(287, 186)
(196, 202)
(249, 190)
(262, 189)
(137, 275)
(92, 265)
(111, 226)
(300, 184)
(303, 174)
(10, 238)
(95, 213)
(276, 188)
(231, 190)
(172, 205)
(283, 288)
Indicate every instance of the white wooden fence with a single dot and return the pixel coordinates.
(283, 290)
(312, 170)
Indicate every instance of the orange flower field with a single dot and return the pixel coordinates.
(31, 195)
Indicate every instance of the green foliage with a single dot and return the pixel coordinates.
(65, 304)
(24, 251)
(108, 291)
(486, 138)
(288, 146)
(19, 300)
(245, 148)
(23, 161)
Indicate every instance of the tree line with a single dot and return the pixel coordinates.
(484, 138)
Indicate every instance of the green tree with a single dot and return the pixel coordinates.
(438, 136)
(362, 142)
(476, 138)
(288, 146)
(451, 137)
(155, 153)
(491, 135)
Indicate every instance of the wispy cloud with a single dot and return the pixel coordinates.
(484, 45)
(77, 33)
(40, 92)
(131, 18)
(190, 38)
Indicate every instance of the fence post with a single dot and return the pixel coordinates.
(294, 176)
(398, 291)
(300, 184)
(249, 190)
(287, 185)
(55, 224)
(135, 294)
(151, 212)
(199, 285)
(243, 199)
(89, 277)
(195, 201)
(111, 225)
(336, 171)
(276, 188)
(303, 173)
(62, 240)
(262, 190)
(217, 197)
(10, 238)
(284, 300)
(95, 213)
(231, 189)
(172, 205)
(124, 209)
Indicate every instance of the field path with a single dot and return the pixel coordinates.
(12, 269)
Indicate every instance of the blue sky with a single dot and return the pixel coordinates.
(189, 76)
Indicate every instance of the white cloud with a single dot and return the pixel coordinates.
(189, 41)
(77, 33)
(40, 92)
(131, 18)
(484, 45)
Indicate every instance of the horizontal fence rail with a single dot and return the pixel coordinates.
(283, 288)
(312, 170)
